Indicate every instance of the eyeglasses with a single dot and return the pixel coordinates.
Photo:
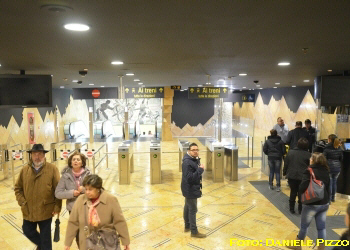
(194, 150)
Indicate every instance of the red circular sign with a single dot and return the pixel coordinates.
(89, 154)
(65, 154)
(96, 93)
(18, 155)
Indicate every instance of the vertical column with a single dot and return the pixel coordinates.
(167, 110)
(220, 119)
(55, 124)
(91, 126)
(4, 160)
(126, 126)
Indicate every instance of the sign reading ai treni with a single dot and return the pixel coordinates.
(207, 92)
(144, 92)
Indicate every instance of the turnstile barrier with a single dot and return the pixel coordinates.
(155, 163)
(231, 162)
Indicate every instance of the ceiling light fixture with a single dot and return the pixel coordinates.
(117, 63)
(136, 80)
(329, 70)
(243, 74)
(62, 87)
(91, 84)
(208, 83)
(75, 81)
(244, 87)
(306, 80)
(130, 74)
(76, 27)
(258, 85)
(102, 86)
(275, 87)
(293, 86)
(283, 64)
(260, 88)
(140, 83)
(277, 83)
(200, 85)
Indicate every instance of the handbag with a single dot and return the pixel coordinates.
(100, 239)
(315, 190)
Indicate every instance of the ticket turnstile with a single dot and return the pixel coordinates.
(231, 162)
(155, 163)
(129, 144)
(183, 147)
(124, 165)
(215, 159)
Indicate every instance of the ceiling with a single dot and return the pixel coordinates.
(177, 42)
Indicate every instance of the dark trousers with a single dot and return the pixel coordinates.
(275, 169)
(77, 236)
(333, 184)
(190, 211)
(294, 190)
(42, 239)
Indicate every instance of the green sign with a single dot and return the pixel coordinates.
(144, 92)
(219, 154)
(207, 92)
(155, 156)
(123, 156)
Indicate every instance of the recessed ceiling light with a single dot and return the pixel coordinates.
(244, 87)
(65, 79)
(200, 85)
(140, 83)
(329, 70)
(136, 80)
(75, 81)
(51, 75)
(277, 83)
(76, 27)
(260, 88)
(293, 86)
(91, 84)
(62, 87)
(0, 65)
(275, 87)
(185, 89)
(250, 89)
(243, 74)
(283, 64)
(258, 85)
(208, 83)
(182, 90)
(130, 74)
(102, 86)
(306, 80)
(117, 63)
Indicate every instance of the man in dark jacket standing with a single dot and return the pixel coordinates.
(295, 134)
(274, 148)
(312, 134)
(191, 187)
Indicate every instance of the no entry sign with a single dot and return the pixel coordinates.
(17, 154)
(64, 154)
(89, 153)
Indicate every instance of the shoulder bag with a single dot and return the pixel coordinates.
(100, 239)
(315, 190)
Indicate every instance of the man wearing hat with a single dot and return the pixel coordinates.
(35, 193)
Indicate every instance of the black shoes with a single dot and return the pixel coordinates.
(300, 208)
(291, 206)
(187, 230)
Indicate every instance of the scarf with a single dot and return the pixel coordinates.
(94, 219)
(77, 177)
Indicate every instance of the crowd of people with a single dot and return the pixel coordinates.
(295, 149)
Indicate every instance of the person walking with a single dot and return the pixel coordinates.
(295, 134)
(70, 185)
(296, 161)
(274, 148)
(97, 211)
(282, 129)
(334, 156)
(318, 209)
(35, 193)
(191, 187)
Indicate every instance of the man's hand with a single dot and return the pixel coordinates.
(55, 213)
(66, 248)
(76, 193)
(201, 166)
(127, 247)
(81, 189)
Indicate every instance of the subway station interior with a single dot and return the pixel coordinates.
(132, 84)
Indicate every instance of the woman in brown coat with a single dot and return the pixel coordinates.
(102, 211)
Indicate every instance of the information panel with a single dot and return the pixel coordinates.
(144, 92)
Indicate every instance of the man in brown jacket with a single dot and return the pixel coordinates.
(35, 193)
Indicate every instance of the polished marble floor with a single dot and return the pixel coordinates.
(154, 212)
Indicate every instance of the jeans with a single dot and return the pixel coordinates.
(42, 239)
(333, 184)
(320, 214)
(275, 168)
(190, 211)
(294, 190)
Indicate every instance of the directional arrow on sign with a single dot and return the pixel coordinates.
(127, 90)
(191, 90)
(225, 90)
(133, 90)
(161, 90)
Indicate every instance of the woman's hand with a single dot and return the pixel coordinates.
(76, 193)
(127, 247)
(66, 248)
(81, 189)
